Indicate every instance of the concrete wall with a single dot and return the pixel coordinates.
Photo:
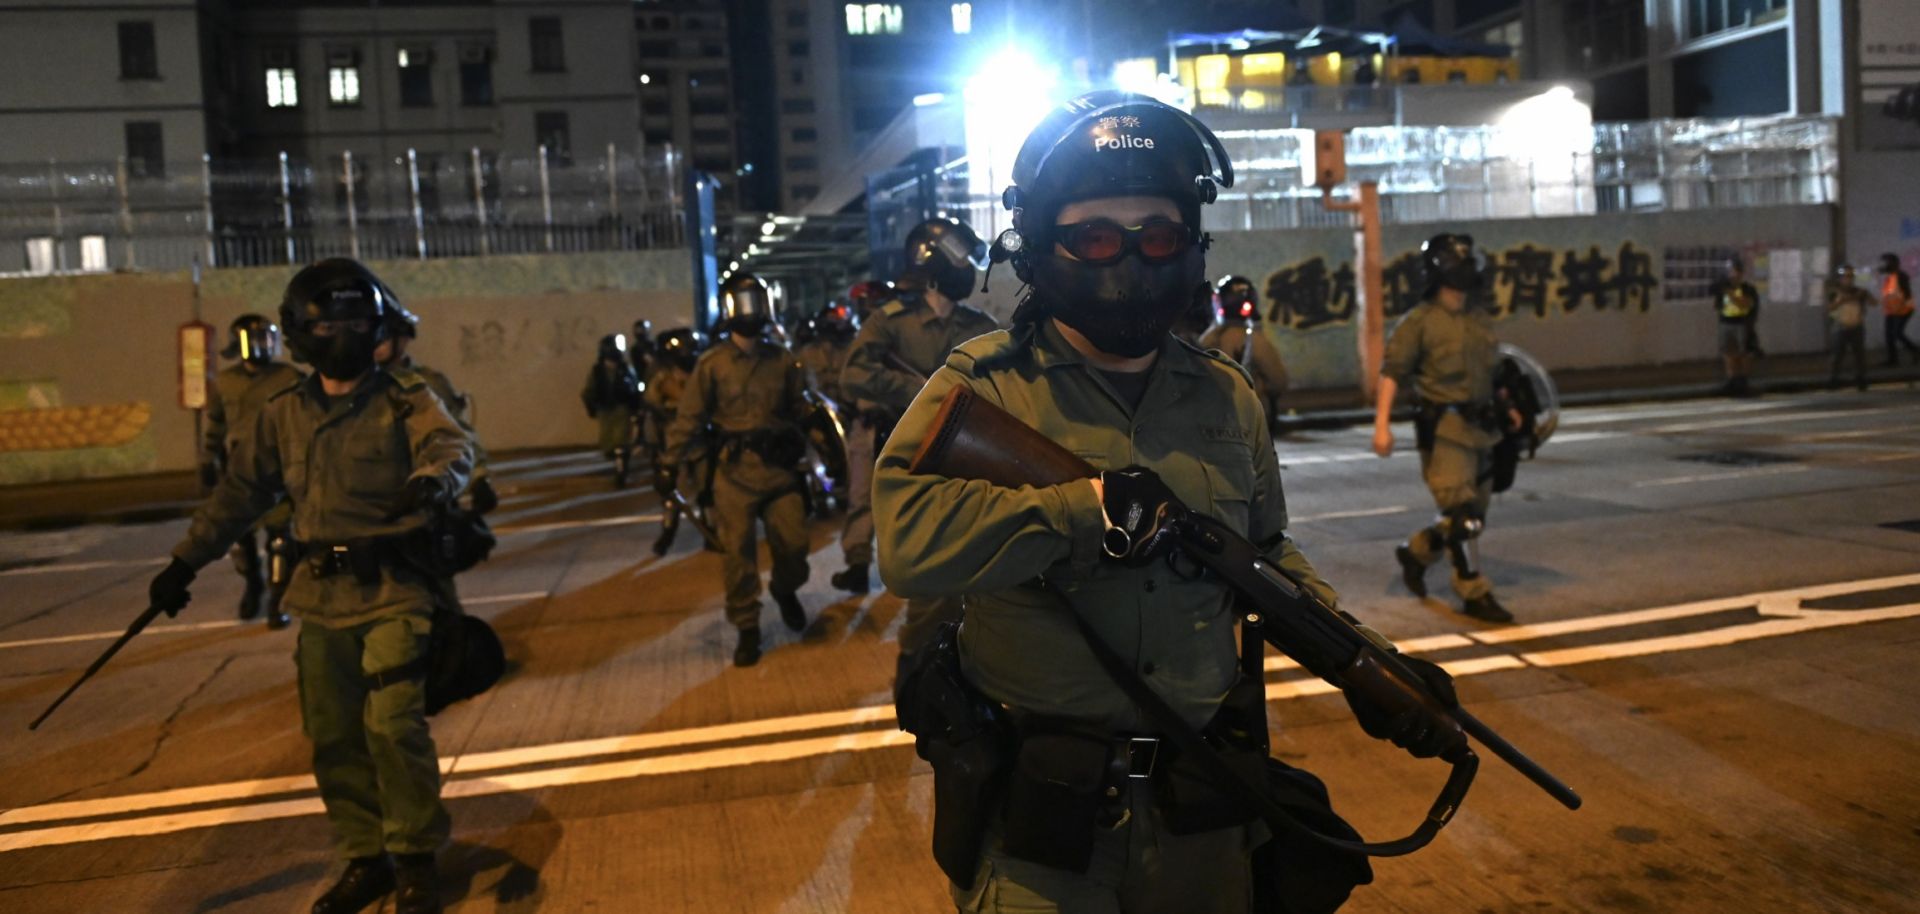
(1577, 292)
(517, 332)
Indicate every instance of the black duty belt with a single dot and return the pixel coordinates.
(1486, 414)
(362, 558)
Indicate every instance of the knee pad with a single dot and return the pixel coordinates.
(1463, 523)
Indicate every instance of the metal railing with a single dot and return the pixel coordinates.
(83, 217)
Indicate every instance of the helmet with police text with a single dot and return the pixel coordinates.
(1238, 299)
(835, 322)
(252, 338)
(1109, 144)
(334, 313)
(947, 255)
(1449, 259)
(746, 305)
(682, 346)
(868, 295)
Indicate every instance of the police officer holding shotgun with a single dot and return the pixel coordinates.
(364, 454)
(1107, 198)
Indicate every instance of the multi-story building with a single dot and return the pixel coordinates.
(687, 85)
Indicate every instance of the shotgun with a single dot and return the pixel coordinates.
(975, 439)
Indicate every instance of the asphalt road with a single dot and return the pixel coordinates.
(1720, 604)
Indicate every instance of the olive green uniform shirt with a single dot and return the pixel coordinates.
(343, 462)
(911, 331)
(823, 360)
(737, 392)
(1199, 425)
(1269, 372)
(459, 405)
(238, 395)
(1447, 357)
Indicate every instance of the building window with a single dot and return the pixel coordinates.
(707, 104)
(710, 137)
(803, 163)
(416, 77)
(873, 18)
(343, 86)
(962, 18)
(138, 57)
(1705, 17)
(656, 105)
(707, 79)
(283, 88)
(798, 48)
(549, 54)
(796, 106)
(805, 134)
(796, 19)
(1607, 32)
(476, 74)
(550, 130)
(652, 50)
(145, 157)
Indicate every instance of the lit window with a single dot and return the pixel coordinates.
(1210, 71)
(1263, 65)
(962, 18)
(283, 88)
(874, 18)
(343, 85)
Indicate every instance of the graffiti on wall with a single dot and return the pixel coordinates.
(1522, 279)
(528, 340)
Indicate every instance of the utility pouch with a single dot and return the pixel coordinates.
(1191, 801)
(1505, 464)
(1426, 421)
(1054, 800)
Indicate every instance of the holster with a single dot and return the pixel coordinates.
(967, 741)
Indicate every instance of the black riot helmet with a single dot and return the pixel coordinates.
(746, 306)
(836, 322)
(252, 338)
(613, 347)
(682, 346)
(1449, 259)
(642, 338)
(334, 313)
(1238, 299)
(947, 254)
(1109, 144)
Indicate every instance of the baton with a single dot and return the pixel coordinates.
(691, 516)
(139, 622)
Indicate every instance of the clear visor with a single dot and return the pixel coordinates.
(257, 344)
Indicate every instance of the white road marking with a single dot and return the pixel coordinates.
(1751, 473)
(1344, 515)
(1816, 414)
(83, 566)
(506, 598)
(1783, 609)
(186, 627)
(622, 520)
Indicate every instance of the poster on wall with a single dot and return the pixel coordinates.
(1889, 102)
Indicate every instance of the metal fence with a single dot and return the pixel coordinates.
(83, 217)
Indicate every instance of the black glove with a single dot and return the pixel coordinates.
(169, 588)
(484, 498)
(209, 475)
(1419, 730)
(421, 492)
(1143, 512)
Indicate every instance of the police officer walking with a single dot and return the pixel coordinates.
(403, 327)
(1447, 353)
(1238, 335)
(743, 407)
(1107, 198)
(898, 347)
(239, 391)
(364, 455)
(829, 337)
(866, 424)
(612, 395)
(679, 349)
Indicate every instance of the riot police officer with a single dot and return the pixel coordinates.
(239, 390)
(364, 455)
(866, 423)
(641, 348)
(403, 327)
(612, 395)
(1447, 353)
(1107, 197)
(824, 346)
(1238, 335)
(898, 347)
(743, 408)
(679, 349)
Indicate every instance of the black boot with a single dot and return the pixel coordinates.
(276, 619)
(853, 579)
(663, 542)
(791, 612)
(1487, 609)
(747, 652)
(1412, 573)
(367, 880)
(419, 884)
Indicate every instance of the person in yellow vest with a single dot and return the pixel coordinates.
(1736, 303)
(1896, 302)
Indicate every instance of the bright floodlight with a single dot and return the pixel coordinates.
(1004, 100)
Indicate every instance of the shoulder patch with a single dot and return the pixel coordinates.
(894, 308)
(1220, 359)
(407, 379)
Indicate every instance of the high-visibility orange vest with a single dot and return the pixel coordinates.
(1894, 303)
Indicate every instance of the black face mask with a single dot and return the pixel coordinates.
(750, 327)
(345, 357)
(1123, 308)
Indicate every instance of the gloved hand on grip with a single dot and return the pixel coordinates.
(169, 588)
(1141, 512)
(1420, 730)
(421, 492)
